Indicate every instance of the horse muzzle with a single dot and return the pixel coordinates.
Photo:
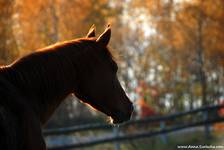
(121, 116)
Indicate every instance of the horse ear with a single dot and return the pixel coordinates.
(91, 32)
(104, 38)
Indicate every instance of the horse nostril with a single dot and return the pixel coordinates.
(129, 111)
(132, 108)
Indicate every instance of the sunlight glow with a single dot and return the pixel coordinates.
(90, 106)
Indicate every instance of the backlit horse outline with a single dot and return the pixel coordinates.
(33, 86)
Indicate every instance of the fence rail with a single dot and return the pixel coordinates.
(204, 122)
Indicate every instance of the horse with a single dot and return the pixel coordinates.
(32, 87)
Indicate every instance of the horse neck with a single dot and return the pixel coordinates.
(44, 79)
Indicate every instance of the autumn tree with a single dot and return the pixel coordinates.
(173, 48)
(181, 48)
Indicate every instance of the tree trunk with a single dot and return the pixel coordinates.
(200, 58)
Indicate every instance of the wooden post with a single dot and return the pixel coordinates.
(207, 126)
(116, 134)
(163, 136)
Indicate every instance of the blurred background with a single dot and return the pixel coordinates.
(171, 59)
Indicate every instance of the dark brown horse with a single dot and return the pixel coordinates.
(34, 86)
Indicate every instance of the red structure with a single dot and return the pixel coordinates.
(144, 109)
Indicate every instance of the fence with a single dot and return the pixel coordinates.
(162, 120)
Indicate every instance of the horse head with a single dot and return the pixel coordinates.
(98, 85)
